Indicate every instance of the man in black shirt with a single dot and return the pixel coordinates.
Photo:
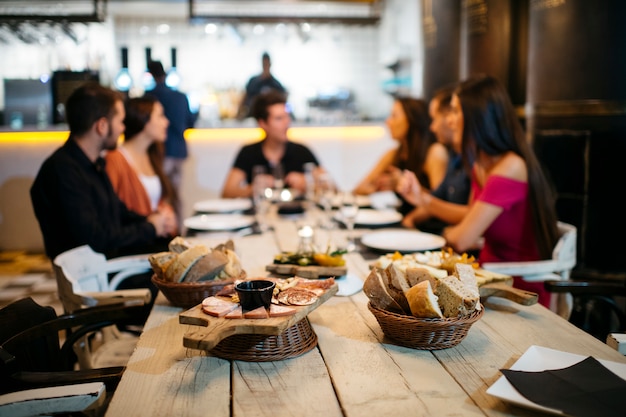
(72, 196)
(275, 152)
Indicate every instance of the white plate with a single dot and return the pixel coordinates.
(369, 217)
(402, 240)
(223, 205)
(537, 359)
(384, 199)
(348, 284)
(361, 201)
(218, 222)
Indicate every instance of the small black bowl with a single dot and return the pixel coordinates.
(255, 293)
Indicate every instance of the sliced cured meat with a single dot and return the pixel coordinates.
(227, 290)
(217, 307)
(316, 284)
(237, 313)
(297, 297)
(281, 311)
(257, 313)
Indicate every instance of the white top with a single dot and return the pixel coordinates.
(151, 183)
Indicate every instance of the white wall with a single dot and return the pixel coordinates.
(215, 67)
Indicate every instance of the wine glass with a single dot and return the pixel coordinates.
(262, 195)
(349, 210)
(325, 191)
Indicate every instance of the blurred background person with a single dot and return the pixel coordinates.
(512, 205)
(417, 151)
(135, 168)
(259, 84)
(448, 202)
(72, 195)
(275, 152)
(176, 107)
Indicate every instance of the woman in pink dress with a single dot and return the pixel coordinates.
(511, 206)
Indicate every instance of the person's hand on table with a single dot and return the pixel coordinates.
(296, 180)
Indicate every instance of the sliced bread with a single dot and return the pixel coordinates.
(376, 290)
(455, 299)
(423, 301)
(184, 261)
(397, 285)
(160, 261)
(467, 276)
(179, 245)
(207, 267)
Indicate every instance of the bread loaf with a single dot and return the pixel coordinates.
(184, 261)
(376, 290)
(455, 299)
(423, 301)
(232, 268)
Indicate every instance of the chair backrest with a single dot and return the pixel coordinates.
(565, 250)
(559, 267)
(81, 270)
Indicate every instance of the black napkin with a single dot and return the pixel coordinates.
(586, 389)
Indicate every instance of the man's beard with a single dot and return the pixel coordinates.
(110, 143)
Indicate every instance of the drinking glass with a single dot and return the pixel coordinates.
(262, 195)
(349, 209)
(325, 191)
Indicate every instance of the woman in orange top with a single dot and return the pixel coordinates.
(136, 166)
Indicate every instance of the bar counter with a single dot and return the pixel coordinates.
(354, 371)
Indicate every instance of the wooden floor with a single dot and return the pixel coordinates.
(25, 274)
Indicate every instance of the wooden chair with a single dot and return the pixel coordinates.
(86, 279)
(558, 268)
(34, 357)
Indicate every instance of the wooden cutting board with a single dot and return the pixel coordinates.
(213, 330)
(504, 289)
(310, 271)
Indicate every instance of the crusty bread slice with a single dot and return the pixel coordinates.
(376, 290)
(179, 245)
(233, 268)
(423, 301)
(160, 261)
(184, 261)
(207, 267)
(416, 275)
(467, 276)
(397, 285)
(455, 299)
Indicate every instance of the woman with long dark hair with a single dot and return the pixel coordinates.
(417, 151)
(512, 206)
(135, 168)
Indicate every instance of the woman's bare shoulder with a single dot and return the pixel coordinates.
(511, 165)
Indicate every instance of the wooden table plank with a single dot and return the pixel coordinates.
(374, 379)
(165, 379)
(299, 387)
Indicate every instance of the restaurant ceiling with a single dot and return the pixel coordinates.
(197, 11)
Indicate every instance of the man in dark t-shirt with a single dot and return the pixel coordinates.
(274, 152)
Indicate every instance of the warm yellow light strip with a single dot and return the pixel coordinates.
(34, 137)
(295, 133)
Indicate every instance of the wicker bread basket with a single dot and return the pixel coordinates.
(189, 294)
(425, 334)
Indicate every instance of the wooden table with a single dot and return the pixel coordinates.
(353, 372)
